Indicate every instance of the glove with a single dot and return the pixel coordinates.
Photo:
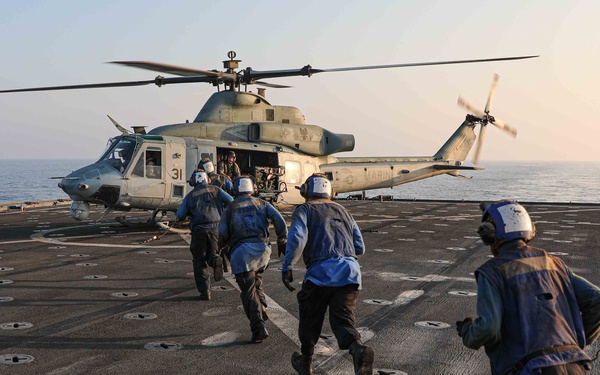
(287, 277)
(281, 249)
(460, 324)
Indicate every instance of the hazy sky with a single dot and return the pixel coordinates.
(552, 100)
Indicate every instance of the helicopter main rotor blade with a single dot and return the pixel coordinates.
(158, 81)
(271, 85)
(422, 64)
(246, 76)
(488, 105)
(250, 75)
(166, 68)
(85, 86)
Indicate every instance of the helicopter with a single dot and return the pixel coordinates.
(272, 144)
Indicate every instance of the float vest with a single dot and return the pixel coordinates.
(330, 232)
(541, 320)
(205, 207)
(248, 221)
(220, 181)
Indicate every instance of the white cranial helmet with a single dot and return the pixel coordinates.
(243, 185)
(207, 165)
(199, 178)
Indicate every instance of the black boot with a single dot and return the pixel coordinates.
(260, 335)
(302, 363)
(217, 265)
(226, 264)
(205, 296)
(362, 356)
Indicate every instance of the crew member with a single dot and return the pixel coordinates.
(328, 239)
(535, 316)
(204, 205)
(215, 179)
(229, 167)
(245, 228)
(224, 183)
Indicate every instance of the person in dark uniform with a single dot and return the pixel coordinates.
(216, 179)
(224, 183)
(229, 167)
(244, 227)
(328, 239)
(535, 316)
(204, 205)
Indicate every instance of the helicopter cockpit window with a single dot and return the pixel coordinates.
(148, 165)
(120, 154)
(153, 164)
(111, 142)
(138, 170)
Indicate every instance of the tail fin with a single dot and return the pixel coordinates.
(457, 147)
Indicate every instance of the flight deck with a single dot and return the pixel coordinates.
(104, 298)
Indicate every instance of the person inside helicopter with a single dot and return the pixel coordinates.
(228, 166)
(152, 171)
(119, 153)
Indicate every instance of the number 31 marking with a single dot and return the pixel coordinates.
(177, 174)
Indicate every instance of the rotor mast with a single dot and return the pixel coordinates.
(231, 65)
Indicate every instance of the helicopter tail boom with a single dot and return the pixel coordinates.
(457, 147)
(355, 174)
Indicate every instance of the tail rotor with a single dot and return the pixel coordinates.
(484, 118)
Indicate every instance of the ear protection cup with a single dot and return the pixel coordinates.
(304, 190)
(487, 232)
(533, 232)
(317, 185)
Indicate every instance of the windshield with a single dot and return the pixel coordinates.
(120, 153)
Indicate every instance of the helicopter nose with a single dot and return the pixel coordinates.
(80, 184)
(68, 185)
(98, 183)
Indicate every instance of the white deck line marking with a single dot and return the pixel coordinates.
(407, 297)
(220, 339)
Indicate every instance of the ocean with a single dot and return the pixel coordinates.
(30, 180)
(525, 181)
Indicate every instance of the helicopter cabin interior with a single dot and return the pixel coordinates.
(261, 166)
